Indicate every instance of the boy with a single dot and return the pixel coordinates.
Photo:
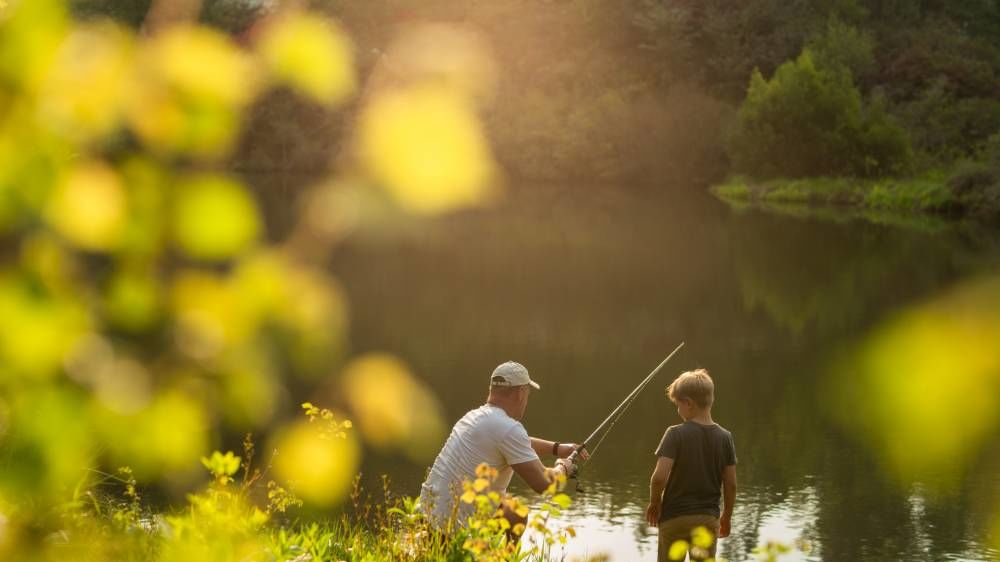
(695, 459)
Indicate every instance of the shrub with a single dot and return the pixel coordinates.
(809, 120)
(971, 176)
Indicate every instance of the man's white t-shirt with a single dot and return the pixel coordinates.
(484, 435)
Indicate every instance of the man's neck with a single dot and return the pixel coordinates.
(499, 404)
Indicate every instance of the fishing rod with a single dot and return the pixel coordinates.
(620, 410)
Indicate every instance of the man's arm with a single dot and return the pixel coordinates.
(658, 483)
(728, 500)
(544, 447)
(541, 446)
(536, 475)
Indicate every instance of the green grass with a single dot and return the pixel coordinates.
(894, 200)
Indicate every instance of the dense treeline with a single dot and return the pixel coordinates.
(689, 90)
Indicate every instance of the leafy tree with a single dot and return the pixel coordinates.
(809, 120)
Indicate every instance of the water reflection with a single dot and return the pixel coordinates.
(591, 287)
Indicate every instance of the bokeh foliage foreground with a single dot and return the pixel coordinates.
(145, 308)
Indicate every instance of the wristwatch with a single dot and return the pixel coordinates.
(555, 448)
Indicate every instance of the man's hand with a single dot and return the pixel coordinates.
(569, 469)
(653, 514)
(565, 449)
(725, 523)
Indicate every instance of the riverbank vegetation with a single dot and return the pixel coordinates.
(243, 514)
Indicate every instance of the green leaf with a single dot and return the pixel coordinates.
(214, 218)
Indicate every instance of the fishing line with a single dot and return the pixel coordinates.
(604, 428)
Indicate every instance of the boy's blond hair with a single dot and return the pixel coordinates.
(696, 385)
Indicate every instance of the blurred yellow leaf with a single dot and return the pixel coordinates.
(562, 500)
(250, 389)
(169, 435)
(37, 332)
(318, 469)
(202, 64)
(214, 218)
(935, 361)
(133, 299)
(89, 207)
(84, 92)
(701, 537)
(678, 550)
(262, 281)
(53, 440)
(189, 89)
(425, 145)
(145, 231)
(314, 315)
(305, 303)
(392, 408)
(209, 314)
(30, 34)
(48, 259)
(311, 54)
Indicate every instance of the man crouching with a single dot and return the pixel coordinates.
(493, 435)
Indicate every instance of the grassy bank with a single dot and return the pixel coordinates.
(969, 191)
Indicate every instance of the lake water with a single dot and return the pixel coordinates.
(591, 287)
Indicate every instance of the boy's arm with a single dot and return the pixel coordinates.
(728, 500)
(657, 483)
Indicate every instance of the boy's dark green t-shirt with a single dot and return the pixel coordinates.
(700, 452)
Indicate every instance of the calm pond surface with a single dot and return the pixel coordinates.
(590, 287)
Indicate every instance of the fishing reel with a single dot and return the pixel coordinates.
(575, 475)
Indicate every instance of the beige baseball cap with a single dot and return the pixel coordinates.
(511, 373)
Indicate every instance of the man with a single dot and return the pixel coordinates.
(492, 434)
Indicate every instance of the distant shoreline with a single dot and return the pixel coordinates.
(936, 194)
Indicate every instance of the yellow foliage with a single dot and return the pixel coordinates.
(86, 88)
(37, 332)
(69, 186)
(167, 436)
(392, 407)
(209, 315)
(318, 468)
(678, 550)
(935, 361)
(214, 218)
(469, 496)
(702, 538)
(250, 389)
(133, 299)
(190, 85)
(310, 54)
(424, 144)
(201, 64)
(89, 207)
(52, 427)
(315, 317)
(31, 33)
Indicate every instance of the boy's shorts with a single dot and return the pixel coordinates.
(679, 529)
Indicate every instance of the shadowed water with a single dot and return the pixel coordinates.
(590, 287)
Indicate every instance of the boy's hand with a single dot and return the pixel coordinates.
(725, 523)
(653, 514)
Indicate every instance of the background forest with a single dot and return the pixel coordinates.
(639, 90)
